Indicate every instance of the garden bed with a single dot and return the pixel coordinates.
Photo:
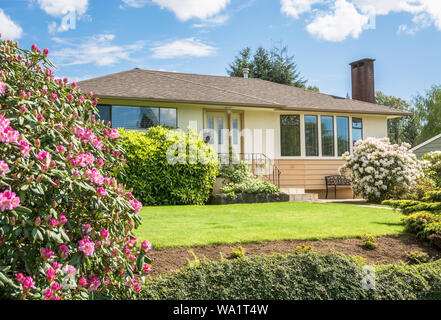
(248, 198)
(391, 249)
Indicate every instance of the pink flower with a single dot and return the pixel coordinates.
(53, 96)
(19, 277)
(104, 233)
(48, 294)
(146, 268)
(51, 274)
(53, 223)
(114, 134)
(94, 283)
(146, 245)
(56, 265)
(82, 282)
(95, 176)
(27, 283)
(62, 219)
(70, 97)
(64, 251)
(8, 201)
(25, 149)
(45, 52)
(2, 87)
(40, 118)
(86, 246)
(44, 157)
(101, 191)
(55, 286)
(3, 168)
(137, 206)
(47, 254)
(61, 149)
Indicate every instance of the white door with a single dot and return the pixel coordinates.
(217, 131)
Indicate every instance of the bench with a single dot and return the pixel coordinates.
(336, 180)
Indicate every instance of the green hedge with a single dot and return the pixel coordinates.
(296, 276)
(156, 181)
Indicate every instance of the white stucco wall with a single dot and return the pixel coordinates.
(262, 127)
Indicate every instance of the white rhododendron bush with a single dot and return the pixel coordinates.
(380, 170)
(66, 224)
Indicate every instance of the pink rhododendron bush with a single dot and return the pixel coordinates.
(380, 170)
(66, 224)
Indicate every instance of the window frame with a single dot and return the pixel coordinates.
(317, 142)
(138, 106)
(335, 116)
(300, 149)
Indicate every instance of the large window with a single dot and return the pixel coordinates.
(357, 129)
(342, 135)
(311, 136)
(327, 136)
(137, 117)
(290, 135)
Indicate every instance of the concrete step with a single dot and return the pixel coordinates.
(303, 197)
(293, 190)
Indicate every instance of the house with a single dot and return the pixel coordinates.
(302, 134)
(433, 144)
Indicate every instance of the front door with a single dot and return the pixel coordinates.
(222, 130)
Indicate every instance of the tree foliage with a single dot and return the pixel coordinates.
(274, 65)
(405, 129)
(428, 111)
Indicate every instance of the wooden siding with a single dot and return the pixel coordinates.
(434, 145)
(309, 174)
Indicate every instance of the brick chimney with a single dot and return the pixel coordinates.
(363, 82)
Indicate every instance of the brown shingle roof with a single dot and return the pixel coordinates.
(217, 90)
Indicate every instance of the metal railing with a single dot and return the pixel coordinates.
(260, 165)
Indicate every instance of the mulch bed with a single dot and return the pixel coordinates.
(391, 249)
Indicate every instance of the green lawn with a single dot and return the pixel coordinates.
(184, 226)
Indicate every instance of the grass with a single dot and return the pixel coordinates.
(185, 226)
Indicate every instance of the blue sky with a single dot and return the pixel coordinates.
(203, 36)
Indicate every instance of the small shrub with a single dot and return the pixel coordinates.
(379, 170)
(417, 257)
(416, 223)
(308, 276)
(303, 249)
(237, 253)
(241, 180)
(432, 166)
(369, 242)
(187, 179)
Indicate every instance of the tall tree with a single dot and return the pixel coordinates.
(274, 65)
(400, 129)
(428, 110)
(241, 61)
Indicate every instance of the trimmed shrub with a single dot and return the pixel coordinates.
(169, 167)
(379, 170)
(432, 166)
(241, 180)
(369, 242)
(308, 276)
(66, 223)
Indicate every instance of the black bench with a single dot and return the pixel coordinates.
(335, 181)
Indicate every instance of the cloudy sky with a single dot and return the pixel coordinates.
(89, 38)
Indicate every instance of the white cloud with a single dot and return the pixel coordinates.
(97, 50)
(58, 8)
(8, 28)
(136, 3)
(187, 9)
(344, 21)
(180, 48)
(340, 19)
(212, 22)
(295, 8)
